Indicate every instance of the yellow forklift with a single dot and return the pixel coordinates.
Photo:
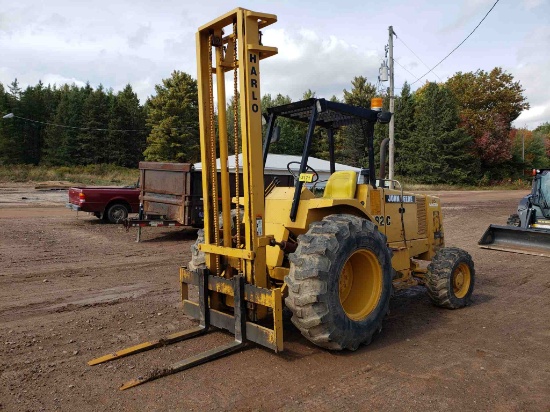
(335, 260)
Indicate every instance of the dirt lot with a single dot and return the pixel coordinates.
(74, 289)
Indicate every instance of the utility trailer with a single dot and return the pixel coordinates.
(170, 196)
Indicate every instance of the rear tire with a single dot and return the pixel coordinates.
(198, 258)
(514, 220)
(340, 282)
(116, 213)
(450, 278)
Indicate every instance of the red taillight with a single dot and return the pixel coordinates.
(534, 173)
(82, 197)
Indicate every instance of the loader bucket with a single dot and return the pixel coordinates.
(518, 240)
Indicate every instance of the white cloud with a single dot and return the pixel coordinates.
(139, 37)
(59, 80)
(326, 65)
(533, 59)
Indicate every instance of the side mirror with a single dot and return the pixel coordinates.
(384, 117)
(276, 135)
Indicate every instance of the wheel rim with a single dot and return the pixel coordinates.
(461, 280)
(118, 213)
(360, 284)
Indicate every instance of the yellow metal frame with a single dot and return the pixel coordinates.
(238, 49)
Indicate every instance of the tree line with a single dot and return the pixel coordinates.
(457, 131)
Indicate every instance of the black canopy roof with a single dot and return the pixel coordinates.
(331, 115)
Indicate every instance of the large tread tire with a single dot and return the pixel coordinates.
(116, 213)
(198, 258)
(441, 278)
(314, 281)
(514, 220)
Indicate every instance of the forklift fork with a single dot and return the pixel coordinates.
(204, 325)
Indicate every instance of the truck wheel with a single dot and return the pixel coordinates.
(514, 220)
(340, 282)
(450, 278)
(198, 259)
(116, 213)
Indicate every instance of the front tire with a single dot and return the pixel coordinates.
(450, 278)
(340, 282)
(514, 220)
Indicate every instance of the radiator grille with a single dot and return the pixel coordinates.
(421, 214)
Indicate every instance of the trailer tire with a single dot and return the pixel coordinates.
(450, 278)
(340, 282)
(514, 220)
(116, 213)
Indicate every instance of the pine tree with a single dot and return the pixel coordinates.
(31, 106)
(127, 134)
(404, 127)
(173, 117)
(62, 146)
(355, 151)
(442, 150)
(92, 144)
(9, 149)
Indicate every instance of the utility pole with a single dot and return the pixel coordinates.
(392, 108)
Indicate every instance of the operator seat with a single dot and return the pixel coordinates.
(341, 185)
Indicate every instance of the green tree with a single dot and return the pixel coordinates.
(443, 151)
(62, 136)
(404, 116)
(92, 144)
(126, 147)
(9, 150)
(544, 131)
(15, 90)
(355, 151)
(292, 137)
(173, 117)
(528, 151)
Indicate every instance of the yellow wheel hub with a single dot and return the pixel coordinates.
(360, 284)
(461, 279)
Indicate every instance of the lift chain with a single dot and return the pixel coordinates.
(236, 140)
(213, 154)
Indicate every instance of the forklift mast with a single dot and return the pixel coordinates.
(239, 52)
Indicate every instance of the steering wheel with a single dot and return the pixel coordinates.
(308, 167)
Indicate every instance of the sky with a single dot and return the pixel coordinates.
(322, 44)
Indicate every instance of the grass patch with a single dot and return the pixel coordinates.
(518, 184)
(101, 174)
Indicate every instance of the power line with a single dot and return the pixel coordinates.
(421, 61)
(461, 43)
(399, 64)
(79, 128)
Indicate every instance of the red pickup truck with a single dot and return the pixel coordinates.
(111, 204)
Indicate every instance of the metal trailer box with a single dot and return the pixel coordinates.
(166, 193)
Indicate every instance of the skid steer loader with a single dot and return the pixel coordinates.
(528, 231)
(335, 260)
